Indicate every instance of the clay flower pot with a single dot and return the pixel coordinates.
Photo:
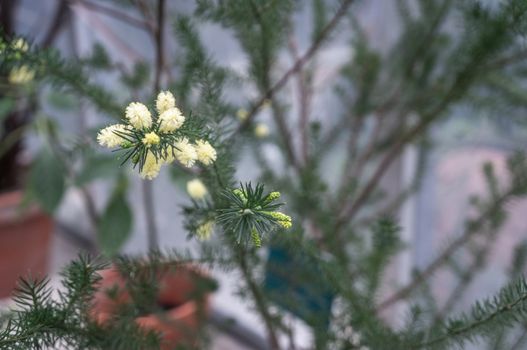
(25, 238)
(183, 314)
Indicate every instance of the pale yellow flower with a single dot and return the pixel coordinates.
(285, 224)
(261, 130)
(165, 101)
(272, 196)
(204, 231)
(206, 153)
(21, 44)
(108, 136)
(151, 139)
(170, 120)
(151, 167)
(281, 219)
(21, 75)
(196, 189)
(266, 103)
(242, 114)
(184, 152)
(139, 116)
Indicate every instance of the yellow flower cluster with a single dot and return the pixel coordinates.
(282, 219)
(272, 196)
(165, 101)
(242, 114)
(184, 152)
(170, 120)
(157, 136)
(138, 116)
(151, 139)
(109, 136)
(21, 75)
(261, 130)
(21, 44)
(151, 167)
(204, 231)
(205, 152)
(196, 189)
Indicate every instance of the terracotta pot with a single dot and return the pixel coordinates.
(25, 238)
(184, 315)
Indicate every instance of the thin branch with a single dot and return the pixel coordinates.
(159, 44)
(520, 340)
(277, 114)
(297, 65)
(148, 191)
(391, 155)
(116, 14)
(279, 119)
(259, 299)
(422, 276)
(505, 308)
(109, 35)
(60, 18)
(303, 103)
(398, 146)
(507, 60)
(478, 263)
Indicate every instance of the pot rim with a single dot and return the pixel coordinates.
(178, 312)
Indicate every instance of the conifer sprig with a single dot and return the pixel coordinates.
(251, 214)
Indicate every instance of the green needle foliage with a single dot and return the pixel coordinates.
(251, 211)
(42, 321)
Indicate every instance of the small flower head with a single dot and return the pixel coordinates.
(196, 189)
(151, 139)
(151, 167)
(261, 131)
(266, 103)
(21, 75)
(273, 196)
(282, 219)
(242, 114)
(257, 240)
(205, 152)
(165, 101)
(109, 136)
(21, 44)
(184, 152)
(139, 116)
(170, 120)
(239, 193)
(204, 231)
(285, 224)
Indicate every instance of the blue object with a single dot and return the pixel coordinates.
(297, 284)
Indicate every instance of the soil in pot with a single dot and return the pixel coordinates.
(25, 237)
(178, 313)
